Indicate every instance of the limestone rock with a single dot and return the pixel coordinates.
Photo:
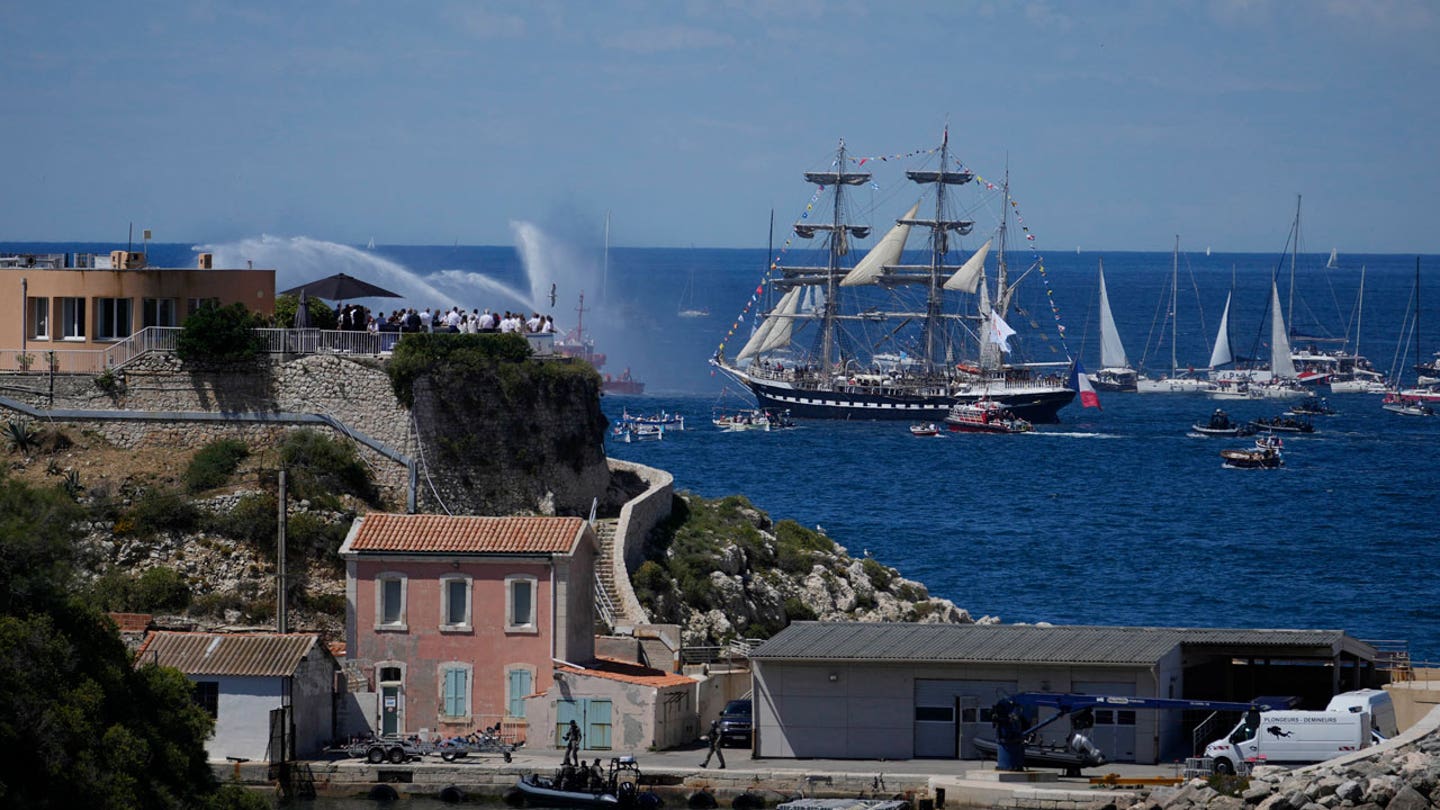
(1408, 798)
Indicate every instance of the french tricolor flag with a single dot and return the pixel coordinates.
(1088, 397)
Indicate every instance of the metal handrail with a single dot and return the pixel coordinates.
(44, 358)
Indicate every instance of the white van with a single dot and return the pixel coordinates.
(1376, 702)
(1289, 736)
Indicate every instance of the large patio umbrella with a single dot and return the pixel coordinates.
(340, 287)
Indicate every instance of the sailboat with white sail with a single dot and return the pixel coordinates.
(688, 308)
(1178, 381)
(1334, 262)
(1361, 379)
(884, 339)
(1116, 373)
(1282, 382)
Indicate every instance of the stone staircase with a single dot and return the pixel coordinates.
(607, 599)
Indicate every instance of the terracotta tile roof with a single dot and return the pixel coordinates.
(262, 654)
(627, 672)
(383, 531)
(131, 622)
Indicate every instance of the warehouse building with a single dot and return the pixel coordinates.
(902, 691)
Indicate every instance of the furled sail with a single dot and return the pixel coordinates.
(886, 251)
(1221, 354)
(783, 320)
(1281, 365)
(1112, 352)
(967, 278)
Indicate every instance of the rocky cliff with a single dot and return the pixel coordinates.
(721, 569)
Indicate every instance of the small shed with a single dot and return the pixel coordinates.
(271, 694)
(619, 706)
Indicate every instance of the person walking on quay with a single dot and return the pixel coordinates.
(714, 745)
(572, 745)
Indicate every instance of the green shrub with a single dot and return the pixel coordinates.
(321, 315)
(329, 604)
(319, 468)
(420, 354)
(789, 534)
(650, 581)
(159, 510)
(798, 611)
(879, 575)
(156, 590)
(308, 535)
(1229, 784)
(253, 520)
(216, 333)
(213, 464)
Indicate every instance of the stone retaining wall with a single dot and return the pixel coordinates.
(638, 517)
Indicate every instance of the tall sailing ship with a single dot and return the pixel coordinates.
(881, 339)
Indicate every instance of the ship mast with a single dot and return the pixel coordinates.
(940, 229)
(839, 246)
(1002, 279)
(1174, 286)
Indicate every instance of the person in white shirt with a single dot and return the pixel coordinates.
(425, 320)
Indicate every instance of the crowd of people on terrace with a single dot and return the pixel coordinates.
(355, 318)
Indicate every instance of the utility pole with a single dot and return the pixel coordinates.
(281, 622)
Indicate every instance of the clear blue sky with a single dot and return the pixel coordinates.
(1124, 123)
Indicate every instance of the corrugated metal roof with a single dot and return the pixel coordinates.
(1011, 643)
(385, 532)
(261, 654)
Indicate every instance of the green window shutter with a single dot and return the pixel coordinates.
(455, 693)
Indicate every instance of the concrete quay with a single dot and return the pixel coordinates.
(676, 777)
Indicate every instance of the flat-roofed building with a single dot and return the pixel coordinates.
(78, 301)
(901, 691)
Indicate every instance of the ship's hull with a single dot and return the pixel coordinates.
(627, 387)
(1039, 404)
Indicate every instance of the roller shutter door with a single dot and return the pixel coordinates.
(950, 713)
(1114, 732)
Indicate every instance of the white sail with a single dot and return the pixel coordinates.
(1112, 352)
(1221, 353)
(784, 323)
(1334, 259)
(886, 251)
(967, 278)
(1281, 365)
(758, 337)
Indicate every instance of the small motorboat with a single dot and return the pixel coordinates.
(1284, 424)
(665, 419)
(1406, 406)
(752, 419)
(1311, 406)
(1070, 757)
(925, 430)
(1221, 424)
(1269, 441)
(638, 432)
(1268, 458)
(585, 786)
(985, 416)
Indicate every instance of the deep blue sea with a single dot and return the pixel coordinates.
(1112, 517)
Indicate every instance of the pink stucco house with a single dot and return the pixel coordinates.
(455, 621)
